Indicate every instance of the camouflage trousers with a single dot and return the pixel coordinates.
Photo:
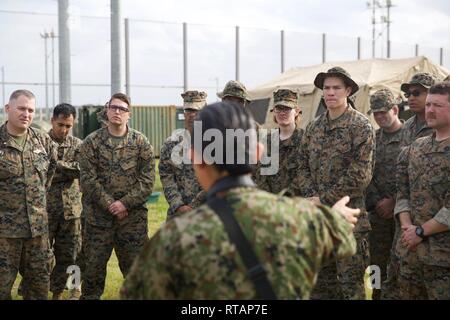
(127, 239)
(390, 287)
(418, 281)
(65, 240)
(344, 279)
(380, 243)
(31, 256)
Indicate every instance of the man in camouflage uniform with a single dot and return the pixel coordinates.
(423, 205)
(381, 193)
(117, 176)
(236, 92)
(64, 200)
(286, 110)
(192, 257)
(27, 165)
(177, 177)
(415, 91)
(336, 160)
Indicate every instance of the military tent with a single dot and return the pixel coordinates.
(371, 75)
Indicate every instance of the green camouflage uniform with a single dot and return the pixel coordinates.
(383, 185)
(288, 150)
(25, 175)
(111, 171)
(336, 160)
(423, 191)
(178, 179)
(191, 257)
(413, 129)
(64, 211)
(177, 173)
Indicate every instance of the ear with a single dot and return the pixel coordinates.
(348, 91)
(395, 109)
(7, 107)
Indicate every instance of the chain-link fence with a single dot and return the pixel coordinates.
(214, 55)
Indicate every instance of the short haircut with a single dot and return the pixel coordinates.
(122, 97)
(441, 88)
(222, 116)
(21, 92)
(65, 109)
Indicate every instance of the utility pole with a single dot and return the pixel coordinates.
(116, 47)
(64, 52)
(45, 36)
(384, 20)
(374, 6)
(53, 36)
(388, 21)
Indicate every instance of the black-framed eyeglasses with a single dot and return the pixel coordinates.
(191, 111)
(121, 109)
(414, 93)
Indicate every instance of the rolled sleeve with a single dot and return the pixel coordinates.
(443, 217)
(402, 205)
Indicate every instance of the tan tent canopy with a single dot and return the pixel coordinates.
(371, 75)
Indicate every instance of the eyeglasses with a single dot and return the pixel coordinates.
(121, 109)
(282, 110)
(414, 93)
(191, 111)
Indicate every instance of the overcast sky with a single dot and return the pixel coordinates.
(156, 48)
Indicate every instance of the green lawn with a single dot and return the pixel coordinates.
(156, 216)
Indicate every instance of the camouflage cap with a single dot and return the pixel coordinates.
(194, 99)
(286, 98)
(234, 89)
(382, 100)
(336, 72)
(423, 79)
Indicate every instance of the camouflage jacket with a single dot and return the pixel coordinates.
(383, 184)
(178, 179)
(125, 172)
(336, 160)
(289, 153)
(191, 257)
(25, 175)
(424, 192)
(414, 130)
(64, 197)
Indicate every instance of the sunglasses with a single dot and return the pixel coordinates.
(414, 93)
(121, 109)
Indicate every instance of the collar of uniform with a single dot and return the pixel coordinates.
(106, 138)
(342, 121)
(293, 140)
(393, 136)
(413, 123)
(6, 138)
(64, 143)
(437, 146)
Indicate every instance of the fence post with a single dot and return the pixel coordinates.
(282, 51)
(127, 57)
(237, 53)
(324, 47)
(185, 58)
(359, 48)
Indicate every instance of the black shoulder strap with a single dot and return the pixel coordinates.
(255, 270)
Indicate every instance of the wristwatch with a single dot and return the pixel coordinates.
(420, 233)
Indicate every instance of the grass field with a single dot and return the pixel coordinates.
(156, 217)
